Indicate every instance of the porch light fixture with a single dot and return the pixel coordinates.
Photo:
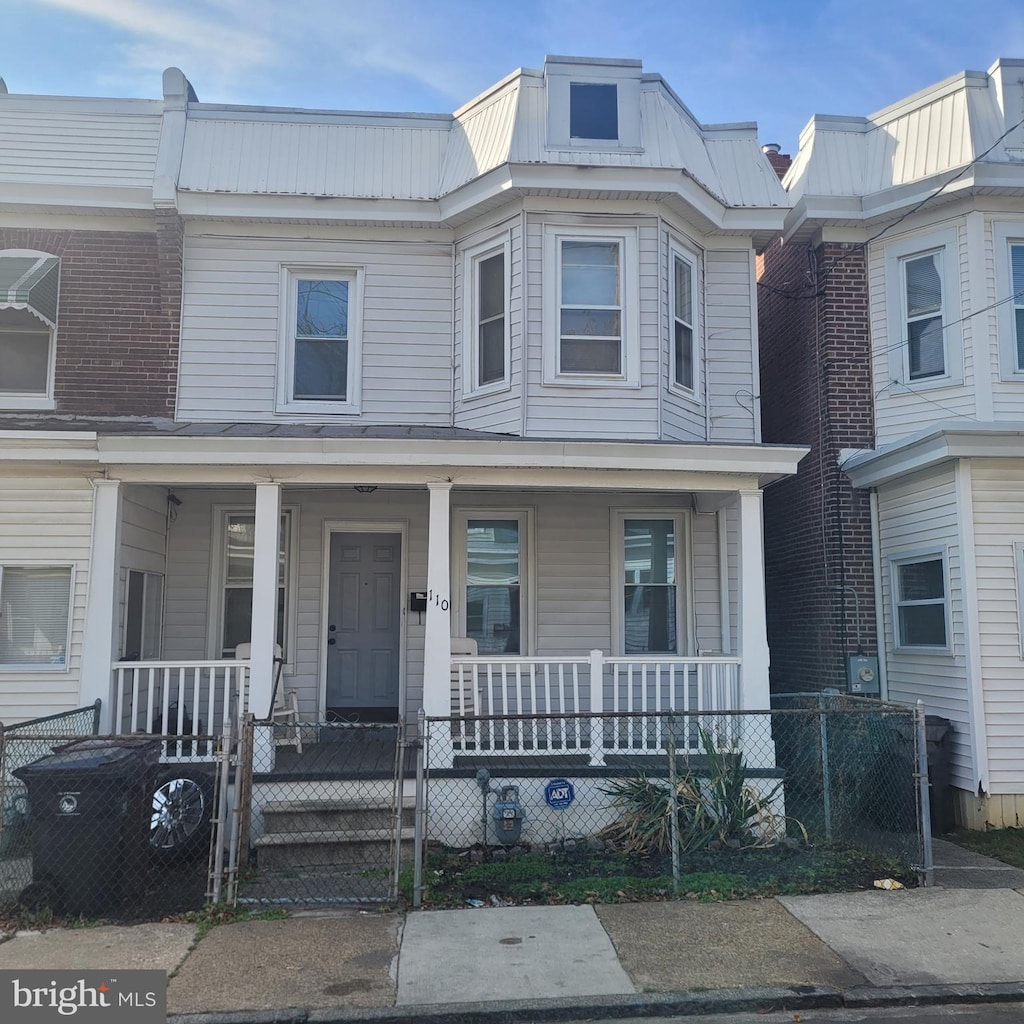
(366, 488)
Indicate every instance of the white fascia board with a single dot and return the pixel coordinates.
(757, 460)
(930, 447)
(84, 197)
(48, 446)
(257, 206)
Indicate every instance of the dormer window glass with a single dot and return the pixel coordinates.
(28, 322)
(593, 111)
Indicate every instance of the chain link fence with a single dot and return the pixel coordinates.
(100, 827)
(519, 805)
(322, 814)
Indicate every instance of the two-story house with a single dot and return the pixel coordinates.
(893, 339)
(350, 385)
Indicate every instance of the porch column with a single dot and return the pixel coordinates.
(99, 645)
(264, 597)
(437, 635)
(753, 628)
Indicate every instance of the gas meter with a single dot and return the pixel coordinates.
(508, 816)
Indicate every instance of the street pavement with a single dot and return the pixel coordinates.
(812, 956)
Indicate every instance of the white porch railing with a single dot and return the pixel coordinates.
(184, 700)
(635, 693)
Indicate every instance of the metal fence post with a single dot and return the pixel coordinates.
(97, 704)
(826, 780)
(924, 806)
(597, 704)
(419, 834)
(673, 804)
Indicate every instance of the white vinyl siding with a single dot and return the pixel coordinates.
(144, 524)
(591, 407)
(998, 505)
(904, 405)
(498, 408)
(46, 521)
(917, 516)
(231, 320)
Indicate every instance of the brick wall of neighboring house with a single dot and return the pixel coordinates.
(118, 318)
(816, 390)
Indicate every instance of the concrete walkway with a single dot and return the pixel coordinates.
(860, 949)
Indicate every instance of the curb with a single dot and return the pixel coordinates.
(676, 1004)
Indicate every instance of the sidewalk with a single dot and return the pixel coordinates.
(856, 949)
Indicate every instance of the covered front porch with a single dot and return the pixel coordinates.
(464, 578)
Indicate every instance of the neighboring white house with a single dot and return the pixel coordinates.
(491, 375)
(934, 186)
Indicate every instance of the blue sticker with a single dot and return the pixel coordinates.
(559, 793)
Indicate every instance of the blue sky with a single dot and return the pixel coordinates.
(729, 60)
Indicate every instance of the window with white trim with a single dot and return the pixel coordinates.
(1017, 284)
(29, 283)
(35, 616)
(319, 365)
(922, 298)
(486, 346)
(235, 583)
(651, 599)
(922, 613)
(684, 353)
(143, 615)
(492, 570)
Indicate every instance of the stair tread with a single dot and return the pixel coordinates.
(366, 835)
(331, 804)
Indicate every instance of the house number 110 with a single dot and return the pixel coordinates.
(438, 601)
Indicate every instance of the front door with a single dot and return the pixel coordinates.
(363, 626)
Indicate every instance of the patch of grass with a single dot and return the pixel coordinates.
(226, 913)
(1005, 844)
(452, 878)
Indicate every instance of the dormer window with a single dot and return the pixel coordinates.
(593, 110)
(28, 320)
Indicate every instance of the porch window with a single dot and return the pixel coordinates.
(35, 614)
(319, 365)
(650, 586)
(239, 547)
(921, 608)
(493, 612)
(28, 323)
(143, 615)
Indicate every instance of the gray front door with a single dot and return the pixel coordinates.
(363, 625)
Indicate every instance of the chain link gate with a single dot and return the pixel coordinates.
(317, 816)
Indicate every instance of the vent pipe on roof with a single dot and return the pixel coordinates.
(771, 147)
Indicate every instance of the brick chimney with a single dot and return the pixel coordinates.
(780, 161)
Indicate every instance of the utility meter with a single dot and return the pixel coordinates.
(862, 675)
(508, 816)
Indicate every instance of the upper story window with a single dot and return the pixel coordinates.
(922, 276)
(923, 343)
(28, 323)
(1017, 284)
(486, 346)
(684, 373)
(319, 350)
(590, 291)
(593, 110)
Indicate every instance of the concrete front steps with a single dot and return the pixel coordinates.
(338, 832)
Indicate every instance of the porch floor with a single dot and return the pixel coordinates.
(339, 755)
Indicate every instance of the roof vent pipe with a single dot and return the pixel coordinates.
(771, 147)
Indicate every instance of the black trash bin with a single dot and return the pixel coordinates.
(90, 805)
(939, 744)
